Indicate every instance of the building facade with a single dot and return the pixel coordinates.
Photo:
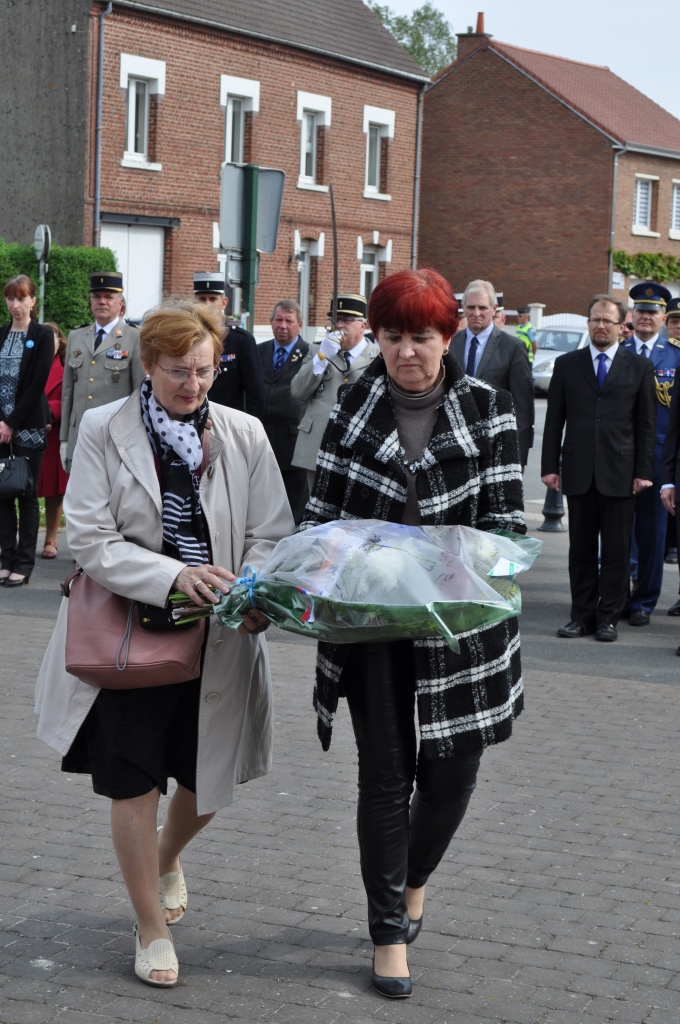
(320, 91)
(535, 168)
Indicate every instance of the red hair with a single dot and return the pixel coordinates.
(411, 300)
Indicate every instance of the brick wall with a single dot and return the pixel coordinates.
(516, 188)
(190, 140)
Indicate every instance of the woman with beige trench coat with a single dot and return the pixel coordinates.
(143, 520)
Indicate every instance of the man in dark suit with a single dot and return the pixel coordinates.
(605, 395)
(281, 359)
(670, 458)
(239, 382)
(491, 355)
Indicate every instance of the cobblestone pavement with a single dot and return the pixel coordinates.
(558, 902)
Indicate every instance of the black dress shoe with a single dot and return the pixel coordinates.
(16, 583)
(671, 556)
(639, 617)
(413, 930)
(606, 633)
(572, 630)
(674, 608)
(392, 988)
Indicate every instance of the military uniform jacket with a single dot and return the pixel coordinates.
(240, 381)
(665, 359)
(282, 412)
(320, 391)
(96, 378)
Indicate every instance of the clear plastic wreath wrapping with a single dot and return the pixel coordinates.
(362, 580)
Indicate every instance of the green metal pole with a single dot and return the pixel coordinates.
(250, 184)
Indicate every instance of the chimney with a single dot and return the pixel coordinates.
(468, 41)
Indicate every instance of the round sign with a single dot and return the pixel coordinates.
(42, 239)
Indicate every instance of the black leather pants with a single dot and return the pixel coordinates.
(399, 844)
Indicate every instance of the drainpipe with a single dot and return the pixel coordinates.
(612, 228)
(98, 127)
(416, 180)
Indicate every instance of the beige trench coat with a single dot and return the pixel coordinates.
(114, 529)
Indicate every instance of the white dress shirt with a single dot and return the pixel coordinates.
(106, 328)
(595, 354)
(649, 345)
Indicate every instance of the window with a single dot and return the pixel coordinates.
(370, 257)
(314, 115)
(378, 129)
(368, 273)
(675, 210)
(144, 81)
(644, 213)
(241, 98)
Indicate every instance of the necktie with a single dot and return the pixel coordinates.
(644, 351)
(98, 338)
(472, 356)
(279, 359)
(602, 369)
(348, 360)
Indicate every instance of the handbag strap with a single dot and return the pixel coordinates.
(66, 585)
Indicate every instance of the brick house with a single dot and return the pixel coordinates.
(535, 167)
(321, 90)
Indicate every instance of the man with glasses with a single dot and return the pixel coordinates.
(605, 397)
(651, 518)
(101, 363)
(328, 365)
(239, 383)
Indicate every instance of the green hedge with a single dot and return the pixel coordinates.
(67, 285)
(648, 266)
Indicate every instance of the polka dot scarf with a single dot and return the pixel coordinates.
(177, 446)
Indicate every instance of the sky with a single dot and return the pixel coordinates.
(643, 51)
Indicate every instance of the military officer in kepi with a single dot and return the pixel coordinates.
(339, 358)
(239, 382)
(649, 314)
(670, 459)
(101, 363)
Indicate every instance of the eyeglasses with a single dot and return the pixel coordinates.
(347, 319)
(178, 376)
(605, 323)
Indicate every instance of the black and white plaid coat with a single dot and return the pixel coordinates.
(470, 475)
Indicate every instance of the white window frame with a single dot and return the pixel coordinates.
(383, 254)
(367, 267)
(320, 107)
(642, 228)
(145, 70)
(383, 120)
(674, 230)
(245, 90)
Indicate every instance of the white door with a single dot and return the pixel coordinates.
(139, 254)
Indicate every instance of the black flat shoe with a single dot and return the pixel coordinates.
(413, 930)
(572, 630)
(606, 633)
(639, 617)
(16, 583)
(392, 988)
(674, 608)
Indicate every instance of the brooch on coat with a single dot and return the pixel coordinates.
(297, 354)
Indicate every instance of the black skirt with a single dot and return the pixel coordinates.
(134, 740)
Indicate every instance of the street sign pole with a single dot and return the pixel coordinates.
(42, 242)
(250, 190)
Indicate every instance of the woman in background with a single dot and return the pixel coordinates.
(53, 479)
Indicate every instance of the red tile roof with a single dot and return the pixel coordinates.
(601, 96)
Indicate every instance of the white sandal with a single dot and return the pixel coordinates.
(173, 892)
(159, 955)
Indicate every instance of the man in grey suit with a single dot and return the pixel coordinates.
(101, 363)
(493, 356)
(327, 366)
(281, 360)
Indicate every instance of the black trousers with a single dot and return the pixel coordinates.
(297, 489)
(18, 553)
(599, 597)
(399, 844)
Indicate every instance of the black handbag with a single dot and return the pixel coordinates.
(16, 478)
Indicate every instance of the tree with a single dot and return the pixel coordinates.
(426, 34)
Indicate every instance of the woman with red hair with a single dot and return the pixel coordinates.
(415, 441)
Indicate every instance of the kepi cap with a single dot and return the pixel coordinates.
(673, 308)
(351, 305)
(209, 282)
(523, 309)
(106, 281)
(650, 296)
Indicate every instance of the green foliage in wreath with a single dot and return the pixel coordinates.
(652, 266)
(67, 284)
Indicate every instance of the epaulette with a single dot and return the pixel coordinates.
(131, 323)
(79, 327)
(674, 341)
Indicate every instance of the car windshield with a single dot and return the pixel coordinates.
(556, 340)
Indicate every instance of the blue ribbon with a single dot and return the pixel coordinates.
(248, 580)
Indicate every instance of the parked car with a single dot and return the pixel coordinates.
(557, 336)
